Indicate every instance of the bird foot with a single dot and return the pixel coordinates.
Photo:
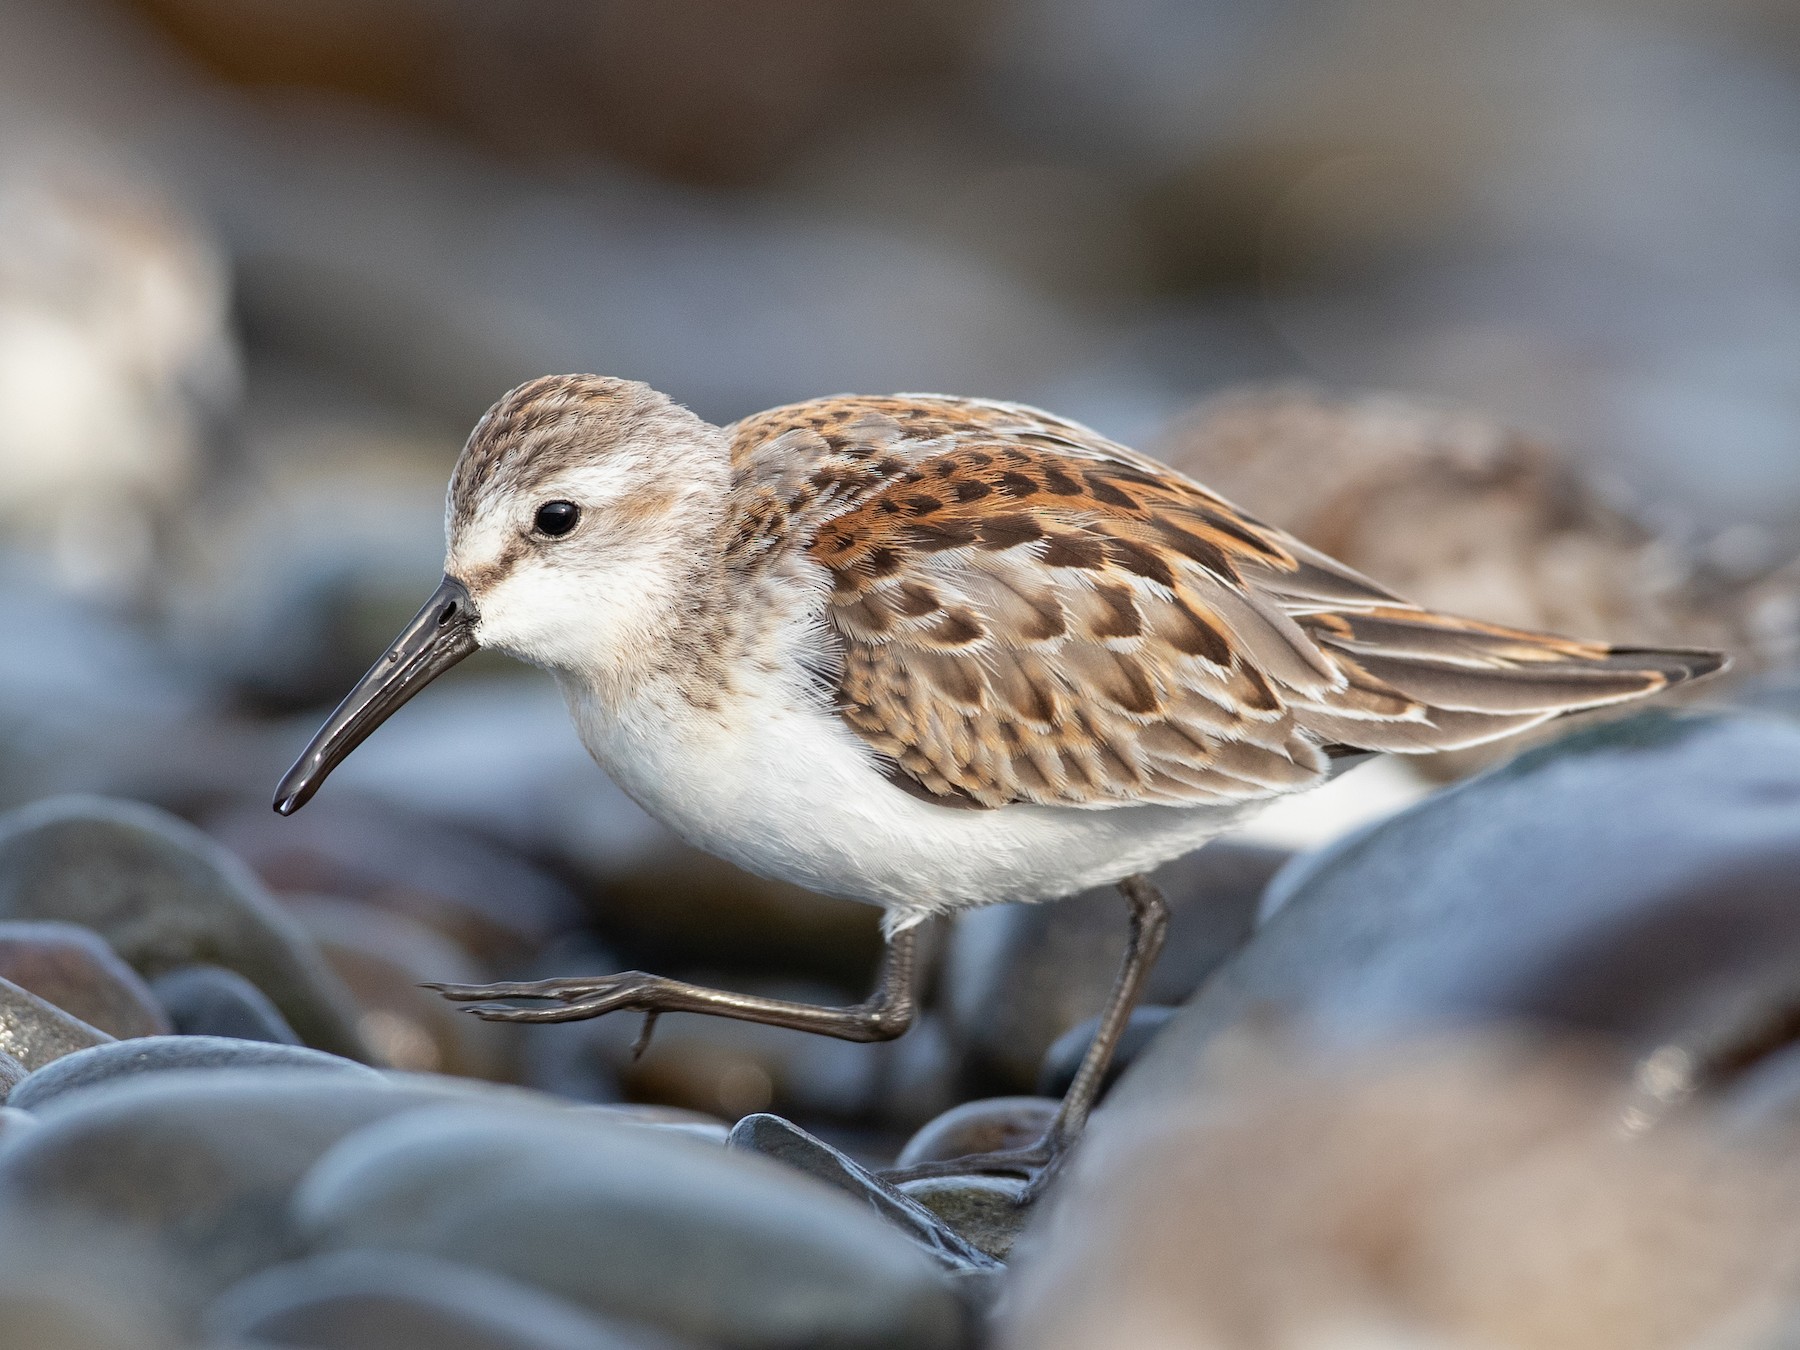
(575, 998)
(1037, 1164)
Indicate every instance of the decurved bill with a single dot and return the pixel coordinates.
(439, 636)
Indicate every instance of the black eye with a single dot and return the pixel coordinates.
(556, 518)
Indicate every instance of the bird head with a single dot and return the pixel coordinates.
(576, 516)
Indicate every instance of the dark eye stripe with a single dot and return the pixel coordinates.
(556, 518)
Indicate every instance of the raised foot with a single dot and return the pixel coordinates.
(576, 998)
(1038, 1163)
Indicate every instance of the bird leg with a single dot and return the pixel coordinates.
(885, 1014)
(1039, 1162)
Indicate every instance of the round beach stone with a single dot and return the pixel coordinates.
(1634, 880)
(74, 968)
(633, 1223)
(35, 1033)
(102, 1064)
(198, 1166)
(164, 895)
(214, 1001)
(380, 1300)
(987, 1125)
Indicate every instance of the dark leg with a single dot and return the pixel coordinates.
(885, 1014)
(1038, 1162)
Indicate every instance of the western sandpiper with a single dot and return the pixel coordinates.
(929, 653)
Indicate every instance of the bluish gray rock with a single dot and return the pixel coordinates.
(1634, 880)
(633, 1223)
(379, 1300)
(34, 1032)
(164, 895)
(214, 1001)
(197, 1167)
(11, 1074)
(86, 1070)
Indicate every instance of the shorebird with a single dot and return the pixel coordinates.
(928, 653)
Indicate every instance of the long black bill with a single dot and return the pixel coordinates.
(439, 636)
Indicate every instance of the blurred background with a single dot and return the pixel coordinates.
(262, 265)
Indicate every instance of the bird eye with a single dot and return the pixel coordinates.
(556, 518)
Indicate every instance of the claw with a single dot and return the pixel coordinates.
(500, 1012)
(642, 1043)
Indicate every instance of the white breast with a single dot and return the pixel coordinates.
(785, 789)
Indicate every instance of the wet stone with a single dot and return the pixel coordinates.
(74, 968)
(773, 1137)
(379, 1300)
(34, 1032)
(164, 895)
(214, 1001)
(104, 1064)
(631, 1223)
(1019, 976)
(1632, 881)
(1063, 1059)
(989, 1125)
(984, 1211)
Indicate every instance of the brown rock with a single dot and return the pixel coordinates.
(384, 957)
(74, 968)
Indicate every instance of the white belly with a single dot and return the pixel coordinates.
(787, 790)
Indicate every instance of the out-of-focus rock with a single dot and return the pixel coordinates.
(214, 1001)
(15, 1122)
(1019, 976)
(632, 1223)
(115, 353)
(1462, 514)
(988, 1125)
(693, 89)
(82, 697)
(199, 1166)
(478, 893)
(34, 1032)
(72, 967)
(164, 895)
(1633, 881)
(1062, 1061)
(376, 1300)
(1458, 1193)
(85, 1070)
(384, 957)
